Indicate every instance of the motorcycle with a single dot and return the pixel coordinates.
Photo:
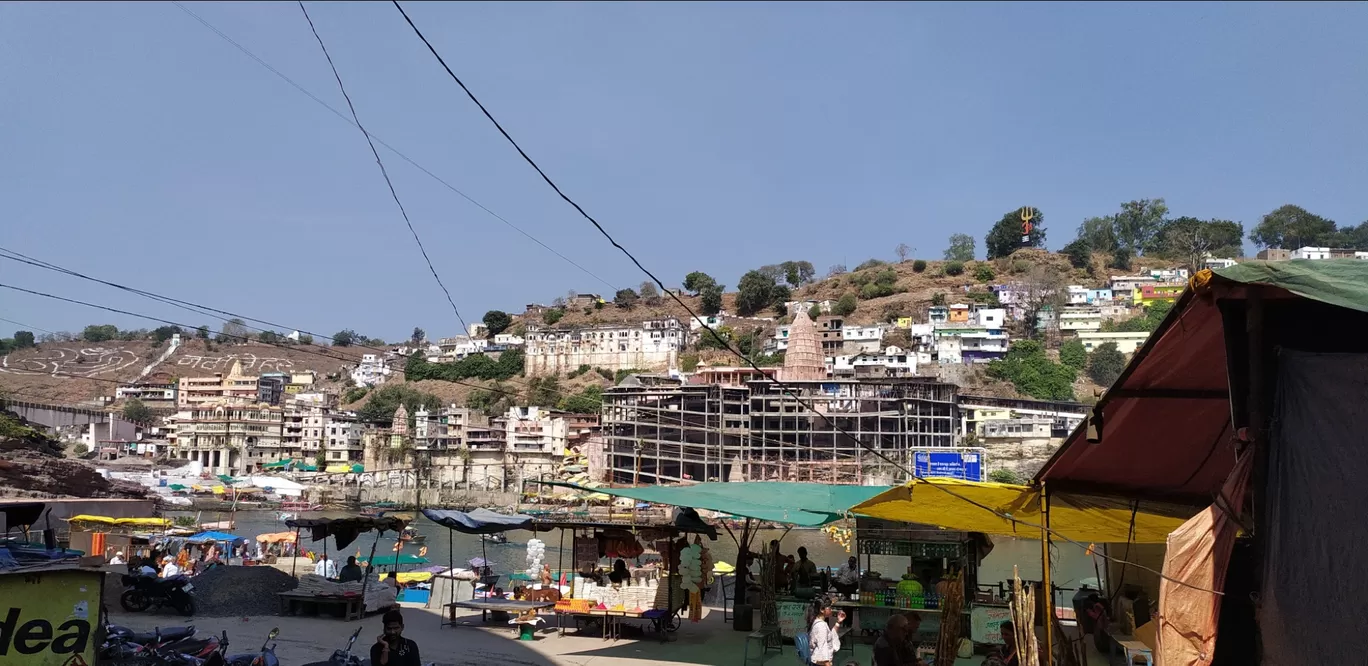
(161, 651)
(344, 657)
(122, 643)
(147, 591)
(264, 657)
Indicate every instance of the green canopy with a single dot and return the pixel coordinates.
(388, 559)
(279, 464)
(800, 504)
(177, 486)
(357, 469)
(227, 480)
(1342, 282)
(305, 467)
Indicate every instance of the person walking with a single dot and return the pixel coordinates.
(823, 640)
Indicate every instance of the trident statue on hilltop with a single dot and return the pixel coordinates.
(1027, 214)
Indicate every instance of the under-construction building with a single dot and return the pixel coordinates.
(826, 431)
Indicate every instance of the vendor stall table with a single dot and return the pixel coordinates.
(487, 605)
(293, 602)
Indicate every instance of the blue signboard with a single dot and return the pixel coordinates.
(963, 465)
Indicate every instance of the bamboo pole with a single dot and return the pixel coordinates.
(1045, 572)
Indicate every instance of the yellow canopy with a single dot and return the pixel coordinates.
(1083, 518)
(106, 520)
(410, 576)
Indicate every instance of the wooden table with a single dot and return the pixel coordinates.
(612, 620)
(487, 605)
(353, 607)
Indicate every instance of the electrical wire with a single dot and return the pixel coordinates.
(225, 37)
(381, 164)
(724, 342)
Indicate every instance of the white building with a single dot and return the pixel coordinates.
(1080, 319)
(892, 362)
(650, 345)
(978, 338)
(319, 429)
(371, 370)
(1216, 263)
(461, 346)
(509, 340)
(706, 321)
(477, 330)
(863, 339)
(1311, 253)
(1078, 294)
(534, 441)
(1126, 342)
(1125, 285)
(1169, 274)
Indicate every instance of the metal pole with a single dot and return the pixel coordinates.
(370, 569)
(1045, 573)
(294, 562)
(451, 565)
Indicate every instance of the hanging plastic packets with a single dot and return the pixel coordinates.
(691, 579)
(536, 549)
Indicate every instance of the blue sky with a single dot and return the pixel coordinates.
(140, 147)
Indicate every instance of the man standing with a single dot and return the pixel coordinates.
(391, 648)
(325, 567)
(351, 571)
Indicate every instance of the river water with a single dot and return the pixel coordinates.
(1070, 563)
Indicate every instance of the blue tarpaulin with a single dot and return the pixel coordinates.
(204, 537)
(479, 521)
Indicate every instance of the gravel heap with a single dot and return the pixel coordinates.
(240, 591)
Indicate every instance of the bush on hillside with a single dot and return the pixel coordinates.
(984, 273)
(1034, 374)
(918, 265)
(846, 306)
(953, 268)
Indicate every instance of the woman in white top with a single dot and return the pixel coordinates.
(823, 640)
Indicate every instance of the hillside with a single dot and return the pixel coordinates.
(72, 372)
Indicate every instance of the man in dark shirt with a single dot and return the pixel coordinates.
(391, 648)
(351, 572)
(895, 647)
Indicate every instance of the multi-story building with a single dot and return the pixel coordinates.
(372, 370)
(1157, 293)
(229, 438)
(651, 345)
(978, 338)
(831, 334)
(232, 388)
(891, 362)
(508, 340)
(1125, 285)
(156, 395)
(1080, 295)
(1169, 274)
(445, 429)
(1126, 342)
(1217, 263)
(1327, 253)
(271, 387)
(343, 438)
(730, 375)
(862, 339)
(1074, 319)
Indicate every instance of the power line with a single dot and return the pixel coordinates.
(381, 164)
(727, 344)
(225, 37)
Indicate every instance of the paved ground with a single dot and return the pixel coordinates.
(303, 640)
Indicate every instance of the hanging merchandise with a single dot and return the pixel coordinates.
(691, 579)
(536, 550)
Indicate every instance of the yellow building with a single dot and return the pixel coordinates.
(1157, 293)
(233, 388)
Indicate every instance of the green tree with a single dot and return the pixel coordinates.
(984, 273)
(1079, 253)
(1073, 354)
(1034, 374)
(938, 298)
(543, 391)
(707, 340)
(1005, 236)
(135, 411)
(164, 333)
(23, 340)
(305, 339)
(696, 282)
(100, 333)
(387, 398)
(846, 305)
(754, 293)
(711, 299)
(796, 273)
(1121, 260)
(815, 311)
(1139, 223)
(587, 401)
(552, 315)
(953, 268)
(1352, 237)
(1099, 233)
(497, 321)
(961, 248)
(202, 332)
(344, 338)
(625, 298)
(918, 265)
(269, 337)
(418, 336)
(871, 263)
(688, 362)
(1291, 227)
(1105, 364)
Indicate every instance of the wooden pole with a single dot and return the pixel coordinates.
(1045, 573)
(294, 563)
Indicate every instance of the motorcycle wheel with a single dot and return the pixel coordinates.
(134, 601)
(187, 606)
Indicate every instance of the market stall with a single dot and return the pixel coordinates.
(344, 531)
(480, 522)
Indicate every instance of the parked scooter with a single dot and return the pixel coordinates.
(264, 657)
(147, 591)
(344, 657)
(122, 643)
